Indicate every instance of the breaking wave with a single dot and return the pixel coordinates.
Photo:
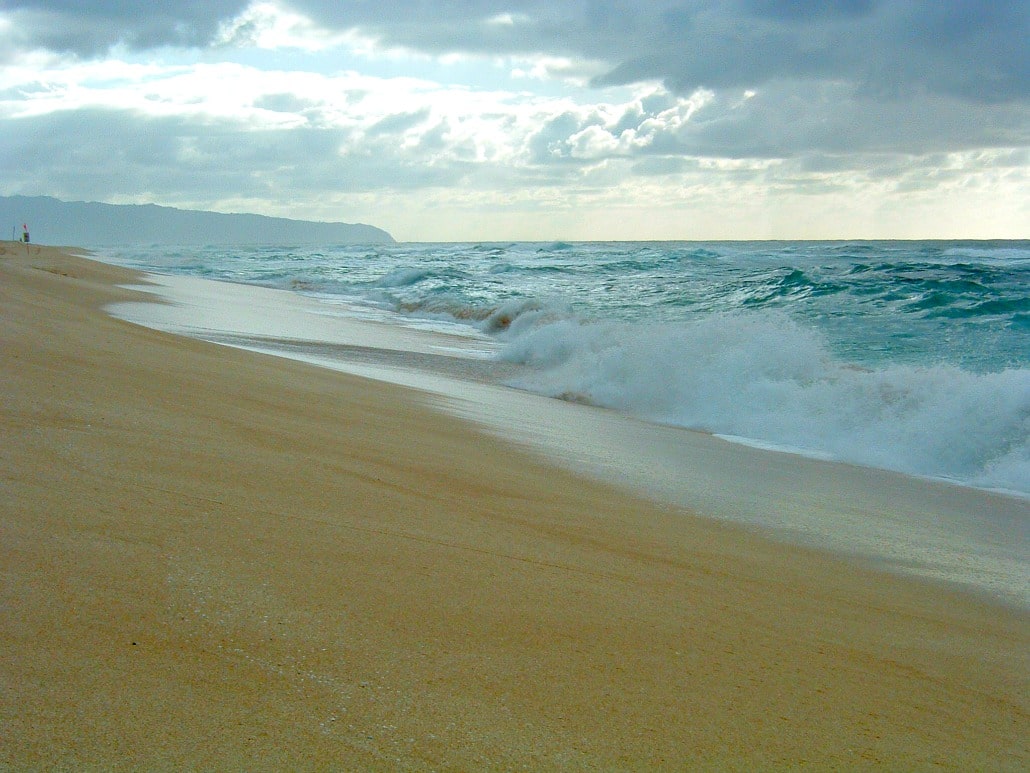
(764, 377)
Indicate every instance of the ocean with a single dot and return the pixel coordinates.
(907, 356)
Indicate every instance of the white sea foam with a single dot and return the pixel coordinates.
(764, 377)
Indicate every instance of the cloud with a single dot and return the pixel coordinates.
(895, 49)
(91, 27)
(284, 105)
(964, 48)
(808, 60)
(157, 157)
(784, 120)
(427, 189)
(202, 132)
(801, 9)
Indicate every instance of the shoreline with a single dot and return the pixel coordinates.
(945, 531)
(215, 558)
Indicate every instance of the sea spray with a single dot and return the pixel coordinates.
(765, 377)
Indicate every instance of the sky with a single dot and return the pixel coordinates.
(495, 120)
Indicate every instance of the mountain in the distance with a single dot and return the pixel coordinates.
(91, 224)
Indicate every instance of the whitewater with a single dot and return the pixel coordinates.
(907, 356)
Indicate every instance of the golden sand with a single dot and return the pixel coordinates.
(213, 559)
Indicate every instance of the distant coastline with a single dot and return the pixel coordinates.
(94, 224)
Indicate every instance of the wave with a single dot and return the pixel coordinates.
(1008, 255)
(1010, 309)
(699, 334)
(764, 377)
(443, 306)
(404, 277)
(511, 316)
(520, 314)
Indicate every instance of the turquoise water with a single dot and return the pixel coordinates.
(910, 356)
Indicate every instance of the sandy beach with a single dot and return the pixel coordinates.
(218, 559)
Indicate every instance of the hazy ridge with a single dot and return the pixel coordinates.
(93, 224)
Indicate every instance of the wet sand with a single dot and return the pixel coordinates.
(218, 559)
